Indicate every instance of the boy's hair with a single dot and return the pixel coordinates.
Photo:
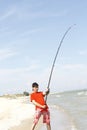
(35, 85)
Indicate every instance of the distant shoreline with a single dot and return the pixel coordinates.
(21, 94)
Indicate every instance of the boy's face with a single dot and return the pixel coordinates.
(35, 89)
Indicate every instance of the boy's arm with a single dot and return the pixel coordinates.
(37, 104)
(46, 92)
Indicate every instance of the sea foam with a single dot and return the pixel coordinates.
(13, 111)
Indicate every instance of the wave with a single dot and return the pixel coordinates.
(13, 111)
(60, 119)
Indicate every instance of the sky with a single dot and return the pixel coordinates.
(30, 33)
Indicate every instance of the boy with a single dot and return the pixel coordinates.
(37, 98)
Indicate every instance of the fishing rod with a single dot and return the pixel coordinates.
(48, 86)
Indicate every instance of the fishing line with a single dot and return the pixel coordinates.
(51, 72)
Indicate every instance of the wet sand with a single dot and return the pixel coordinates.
(59, 120)
(26, 125)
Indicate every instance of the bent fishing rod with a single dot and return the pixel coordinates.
(50, 77)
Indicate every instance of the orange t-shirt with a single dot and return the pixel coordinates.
(39, 98)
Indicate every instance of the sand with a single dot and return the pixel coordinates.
(26, 125)
(15, 111)
(59, 120)
(17, 114)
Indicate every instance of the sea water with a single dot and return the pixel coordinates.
(74, 104)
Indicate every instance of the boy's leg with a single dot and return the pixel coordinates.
(36, 118)
(48, 127)
(46, 119)
(33, 126)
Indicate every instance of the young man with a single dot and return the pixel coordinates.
(37, 98)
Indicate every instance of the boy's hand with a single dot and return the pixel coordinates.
(47, 91)
(44, 106)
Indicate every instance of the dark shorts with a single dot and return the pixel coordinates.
(45, 114)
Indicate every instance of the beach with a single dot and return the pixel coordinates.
(68, 112)
(59, 120)
(14, 111)
(26, 125)
(17, 114)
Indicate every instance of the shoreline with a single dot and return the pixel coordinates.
(59, 119)
(26, 125)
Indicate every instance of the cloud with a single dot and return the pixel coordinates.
(58, 14)
(41, 14)
(83, 52)
(6, 53)
(17, 78)
(74, 66)
(19, 71)
(32, 31)
(7, 14)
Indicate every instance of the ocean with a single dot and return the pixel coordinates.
(74, 104)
